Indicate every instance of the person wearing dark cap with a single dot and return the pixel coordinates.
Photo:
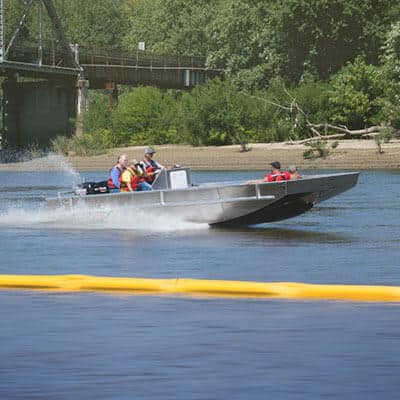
(149, 165)
(276, 174)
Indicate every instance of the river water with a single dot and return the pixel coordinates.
(117, 346)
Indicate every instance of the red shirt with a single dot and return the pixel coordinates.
(278, 176)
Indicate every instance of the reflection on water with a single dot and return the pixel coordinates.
(59, 346)
(290, 235)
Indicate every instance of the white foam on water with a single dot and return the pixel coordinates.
(86, 217)
(58, 162)
(99, 218)
(50, 163)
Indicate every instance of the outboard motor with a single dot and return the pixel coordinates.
(92, 188)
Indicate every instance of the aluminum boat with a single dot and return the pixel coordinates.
(222, 203)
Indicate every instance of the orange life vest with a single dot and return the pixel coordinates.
(150, 178)
(135, 180)
(281, 176)
(110, 182)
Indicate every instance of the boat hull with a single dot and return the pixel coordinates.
(224, 204)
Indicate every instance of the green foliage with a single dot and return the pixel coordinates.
(92, 22)
(168, 26)
(236, 43)
(385, 136)
(14, 10)
(99, 114)
(318, 149)
(88, 144)
(320, 36)
(356, 95)
(391, 69)
(287, 63)
(87, 22)
(144, 115)
(91, 144)
(312, 97)
(61, 145)
(217, 113)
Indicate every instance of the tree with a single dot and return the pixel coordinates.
(144, 115)
(93, 23)
(236, 43)
(391, 68)
(320, 36)
(217, 113)
(168, 26)
(357, 95)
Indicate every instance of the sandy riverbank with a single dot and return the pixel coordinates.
(350, 154)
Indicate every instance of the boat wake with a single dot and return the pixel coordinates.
(100, 218)
(22, 204)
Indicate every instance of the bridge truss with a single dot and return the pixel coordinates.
(34, 110)
(31, 59)
(48, 58)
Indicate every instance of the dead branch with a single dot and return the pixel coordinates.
(325, 137)
(349, 132)
(342, 131)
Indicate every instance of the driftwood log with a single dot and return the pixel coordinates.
(342, 132)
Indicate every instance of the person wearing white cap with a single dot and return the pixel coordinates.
(151, 166)
(114, 178)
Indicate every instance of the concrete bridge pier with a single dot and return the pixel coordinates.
(11, 132)
(82, 104)
(34, 112)
(112, 90)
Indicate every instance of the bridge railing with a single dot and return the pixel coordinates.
(52, 55)
(138, 58)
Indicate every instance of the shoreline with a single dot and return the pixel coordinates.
(350, 154)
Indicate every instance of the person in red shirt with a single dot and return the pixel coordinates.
(276, 174)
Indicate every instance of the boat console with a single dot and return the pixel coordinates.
(177, 178)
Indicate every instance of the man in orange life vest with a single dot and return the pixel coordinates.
(151, 166)
(133, 178)
(276, 174)
(114, 179)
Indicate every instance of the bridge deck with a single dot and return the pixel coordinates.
(100, 66)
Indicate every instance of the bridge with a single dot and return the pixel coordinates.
(46, 82)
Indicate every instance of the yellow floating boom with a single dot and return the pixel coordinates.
(286, 290)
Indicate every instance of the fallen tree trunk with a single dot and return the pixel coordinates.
(344, 132)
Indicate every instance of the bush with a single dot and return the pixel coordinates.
(88, 144)
(61, 145)
(144, 115)
(217, 113)
(98, 116)
(357, 95)
(318, 149)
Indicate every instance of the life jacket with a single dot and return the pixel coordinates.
(150, 166)
(110, 182)
(135, 180)
(281, 176)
